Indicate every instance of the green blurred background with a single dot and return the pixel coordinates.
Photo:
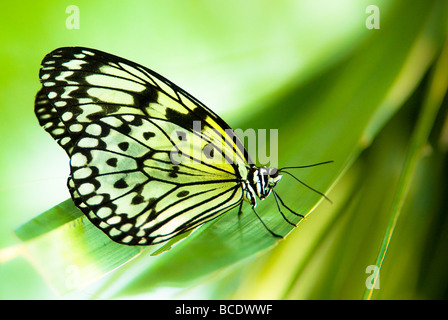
(372, 100)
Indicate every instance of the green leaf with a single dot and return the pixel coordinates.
(333, 116)
(329, 118)
(433, 100)
(68, 251)
(52, 219)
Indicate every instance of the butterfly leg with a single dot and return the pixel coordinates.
(277, 197)
(266, 227)
(240, 209)
(280, 210)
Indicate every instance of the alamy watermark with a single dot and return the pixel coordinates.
(73, 279)
(373, 20)
(208, 145)
(73, 19)
(373, 281)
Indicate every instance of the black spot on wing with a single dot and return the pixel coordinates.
(123, 146)
(112, 162)
(148, 135)
(145, 97)
(137, 199)
(121, 184)
(208, 151)
(183, 194)
(182, 136)
(188, 121)
(173, 173)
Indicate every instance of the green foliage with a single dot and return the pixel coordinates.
(370, 100)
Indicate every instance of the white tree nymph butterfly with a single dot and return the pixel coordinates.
(125, 129)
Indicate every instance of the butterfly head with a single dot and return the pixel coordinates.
(263, 180)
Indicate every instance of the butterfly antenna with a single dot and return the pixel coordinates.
(266, 227)
(308, 166)
(280, 210)
(283, 204)
(318, 192)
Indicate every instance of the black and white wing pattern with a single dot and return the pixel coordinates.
(148, 161)
(49, 119)
(83, 85)
(122, 172)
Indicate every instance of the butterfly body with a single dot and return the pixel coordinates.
(148, 161)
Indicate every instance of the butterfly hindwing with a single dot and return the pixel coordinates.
(133, 191)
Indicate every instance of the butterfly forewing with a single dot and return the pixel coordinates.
(50, 121)
(86, 84)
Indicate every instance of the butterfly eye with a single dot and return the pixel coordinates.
(273, 173)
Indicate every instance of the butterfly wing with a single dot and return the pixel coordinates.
(49, 119)
(121, 124)
(85, 84)
(132, 190)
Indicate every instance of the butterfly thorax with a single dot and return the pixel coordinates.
(259, 183)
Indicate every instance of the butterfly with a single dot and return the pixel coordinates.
(147, 160)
